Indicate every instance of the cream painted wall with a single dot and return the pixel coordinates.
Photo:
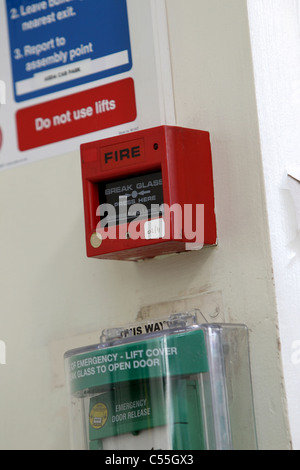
(274, 27)
(53, 298)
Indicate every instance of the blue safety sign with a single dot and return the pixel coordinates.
(58, 44)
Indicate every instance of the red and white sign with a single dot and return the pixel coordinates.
(74, 115)
(38, 122)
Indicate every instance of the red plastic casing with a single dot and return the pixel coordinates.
(184, 158)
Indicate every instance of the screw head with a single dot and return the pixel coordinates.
(96, 240)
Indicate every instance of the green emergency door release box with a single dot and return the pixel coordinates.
(184, 387)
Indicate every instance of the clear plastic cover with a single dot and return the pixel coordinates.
(167, 385)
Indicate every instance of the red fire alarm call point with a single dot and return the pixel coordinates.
(148, 193)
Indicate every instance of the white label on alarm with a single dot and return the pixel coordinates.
(154, 229)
